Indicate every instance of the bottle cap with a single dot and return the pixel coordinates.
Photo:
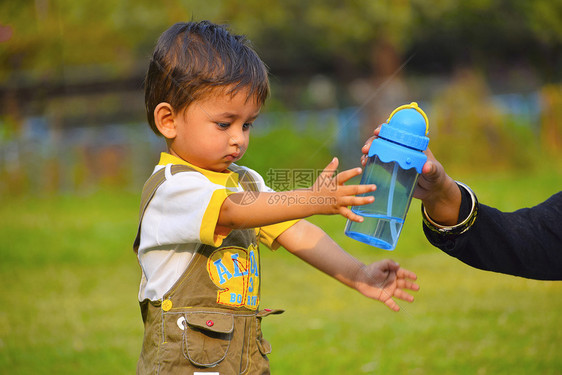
(407, 125)
(403, 138)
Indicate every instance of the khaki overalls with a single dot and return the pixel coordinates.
(208, 322)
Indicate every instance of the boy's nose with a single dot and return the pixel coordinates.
(236, 136)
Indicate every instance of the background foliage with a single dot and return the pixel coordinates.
(50, 35)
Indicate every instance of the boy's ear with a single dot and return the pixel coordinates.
(164, 120)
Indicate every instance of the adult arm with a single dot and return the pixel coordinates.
(526, 243)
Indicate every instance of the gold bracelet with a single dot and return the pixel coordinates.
(459, 228)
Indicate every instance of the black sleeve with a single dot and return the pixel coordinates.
(526, 243)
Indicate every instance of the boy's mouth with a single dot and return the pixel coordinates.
(233, 156)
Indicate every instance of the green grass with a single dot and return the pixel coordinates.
(69, 291)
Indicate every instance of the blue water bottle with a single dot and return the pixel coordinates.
(395, 162)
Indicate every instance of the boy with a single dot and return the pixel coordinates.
(202, 215)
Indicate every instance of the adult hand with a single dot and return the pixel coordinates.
(438, 191)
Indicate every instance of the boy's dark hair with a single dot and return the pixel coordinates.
(191, 59)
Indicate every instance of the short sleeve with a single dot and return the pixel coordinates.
(269, 233)
(184, 209)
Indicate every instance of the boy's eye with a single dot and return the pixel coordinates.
(223, 125)
(247, 125)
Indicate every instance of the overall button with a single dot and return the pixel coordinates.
(166, 305)
(182, 323)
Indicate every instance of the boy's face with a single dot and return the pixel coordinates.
(214, 132)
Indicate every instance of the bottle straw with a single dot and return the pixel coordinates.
(392, 223)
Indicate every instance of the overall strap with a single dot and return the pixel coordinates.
(245, 178)
(149, 189)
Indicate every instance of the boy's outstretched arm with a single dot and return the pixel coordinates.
(328, 196)
(382, 280)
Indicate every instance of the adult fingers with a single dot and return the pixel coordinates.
(367, 145)
(364, 158)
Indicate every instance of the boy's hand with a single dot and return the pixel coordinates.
(381, 281)
(333, 197)
(384, 280)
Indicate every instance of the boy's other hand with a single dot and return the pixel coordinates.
(385, 280)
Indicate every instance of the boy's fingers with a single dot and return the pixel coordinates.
(391, 265)
(358, 189)
(399, 293)
(330, 168)
(357, 201)
(406, 274)
(346, 175)
(353, 195)
(406, 284)
(348, 214)
(392, 305)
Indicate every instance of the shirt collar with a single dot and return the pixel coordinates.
(227, 178)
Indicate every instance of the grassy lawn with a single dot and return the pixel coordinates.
(70, 283)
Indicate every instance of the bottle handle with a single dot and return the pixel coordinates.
(412, 105)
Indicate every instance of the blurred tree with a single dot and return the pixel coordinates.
(318, 35)
(67, 41)
(51, 35)
(496, 34)
(291, 35)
